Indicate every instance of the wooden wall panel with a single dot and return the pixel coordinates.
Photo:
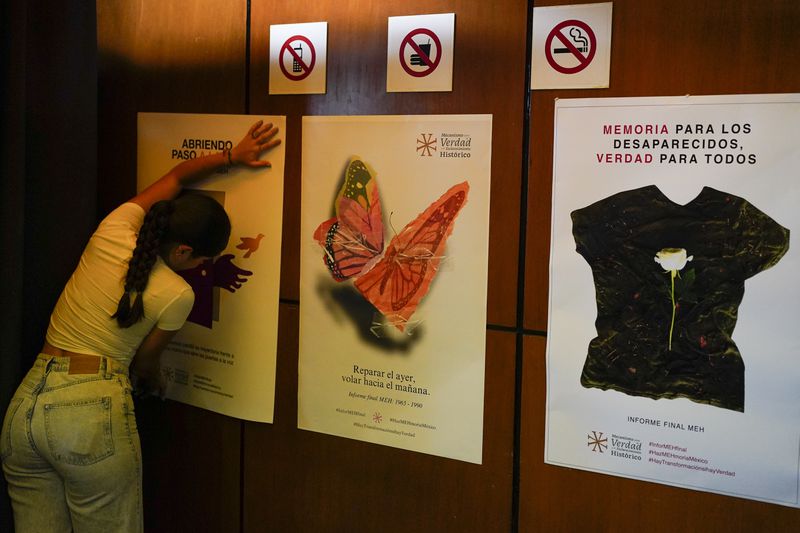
(172, 57)
(663, 48)
(47, 168)
(183, 57)
(671, 47)
(206, 472)
(192, 468)
(298, 480)
(558, 499)
(304, 481)
(490, 49)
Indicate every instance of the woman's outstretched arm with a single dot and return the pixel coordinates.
(259, 138)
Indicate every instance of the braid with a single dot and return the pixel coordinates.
(154, 227)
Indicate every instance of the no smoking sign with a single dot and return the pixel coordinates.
(297, 58)
(571, 47)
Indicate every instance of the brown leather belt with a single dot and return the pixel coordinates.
(79, 363)
(84, 364)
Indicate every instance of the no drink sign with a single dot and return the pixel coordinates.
(420, 53)
(417, 58)
(297, 58)
(571, 47)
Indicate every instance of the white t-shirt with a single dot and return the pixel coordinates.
(81, 321)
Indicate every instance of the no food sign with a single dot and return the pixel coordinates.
(420, 53)
(419, 57)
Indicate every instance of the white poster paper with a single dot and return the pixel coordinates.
(673, 343)
(571, 46)
(223, 359)
(420, 53)
(298, 57)
(394, 242)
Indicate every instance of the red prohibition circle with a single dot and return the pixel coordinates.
(409, 41)
(583, 61)
(306, 69)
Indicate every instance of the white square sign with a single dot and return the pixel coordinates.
(298, 58)
(420, 53)
(571, 47)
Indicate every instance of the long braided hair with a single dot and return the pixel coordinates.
(193, 219)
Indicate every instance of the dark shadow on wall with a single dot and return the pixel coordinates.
(12, 146)
(48, 158)
(191, 457)
(126, 88)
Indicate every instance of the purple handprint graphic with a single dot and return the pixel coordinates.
(228, 276)
(204, 279)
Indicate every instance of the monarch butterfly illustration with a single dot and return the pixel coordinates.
(395, 279)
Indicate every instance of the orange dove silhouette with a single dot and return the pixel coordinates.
(250, 244)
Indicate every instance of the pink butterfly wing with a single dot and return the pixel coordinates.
(399, 281)
(366, 224)
(352, 240)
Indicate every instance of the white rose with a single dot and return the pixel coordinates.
(672, 259)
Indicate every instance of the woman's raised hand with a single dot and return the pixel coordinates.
(259, 138)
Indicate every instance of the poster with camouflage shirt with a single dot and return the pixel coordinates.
(672, 342)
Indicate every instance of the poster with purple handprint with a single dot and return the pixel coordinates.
(223, 359)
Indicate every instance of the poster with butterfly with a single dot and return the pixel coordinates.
(394, 254)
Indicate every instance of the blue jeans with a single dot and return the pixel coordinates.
(70, 450)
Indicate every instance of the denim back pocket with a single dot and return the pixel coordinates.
(5, 435)
(79, 433)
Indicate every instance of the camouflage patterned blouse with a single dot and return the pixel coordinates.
(669, 279)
